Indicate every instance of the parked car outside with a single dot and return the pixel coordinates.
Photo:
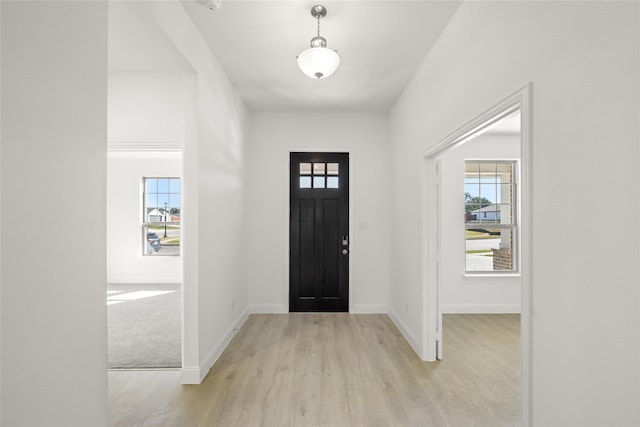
(153, 243)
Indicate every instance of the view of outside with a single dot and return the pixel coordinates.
(161, 213)
(489, 194)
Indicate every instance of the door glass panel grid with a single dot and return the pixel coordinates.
(319, 175)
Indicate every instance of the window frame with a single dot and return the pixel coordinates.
(146, 223)
(514, 225)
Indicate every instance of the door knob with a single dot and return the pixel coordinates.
(345, 251)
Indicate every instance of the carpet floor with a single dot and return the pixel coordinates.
(144, 326)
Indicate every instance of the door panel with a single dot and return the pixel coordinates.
(330, 242)
(319, 230)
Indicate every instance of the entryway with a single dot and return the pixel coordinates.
(518, 248)
(144, 261)
(319, 232)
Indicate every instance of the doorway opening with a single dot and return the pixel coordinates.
(144, 261)
(437, 231)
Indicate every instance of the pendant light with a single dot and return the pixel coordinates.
(318, 61)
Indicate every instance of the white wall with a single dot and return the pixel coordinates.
(582, 58)
(145, 111)
(273, 136)
(54, 131)
(214, 296)
(125, 173)
(147, 108)
(462, 293)
(0, 223)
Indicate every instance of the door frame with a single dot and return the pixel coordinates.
(520, 100)
(353, 241)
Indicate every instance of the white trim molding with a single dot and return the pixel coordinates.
(369, 309)
(144, 146)
(406, 332)
(520, 100)
(481, 308)
(195, 375)
(190, 375)
(144, 280)
(268, 309)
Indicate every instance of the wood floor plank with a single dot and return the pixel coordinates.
(336, 369)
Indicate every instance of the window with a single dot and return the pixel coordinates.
(319, 175)
(490, 216)
(161, 216)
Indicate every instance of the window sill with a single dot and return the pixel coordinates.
(493, 274)
(160, 256)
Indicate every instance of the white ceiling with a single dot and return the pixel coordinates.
(136, 45)
(380, 43)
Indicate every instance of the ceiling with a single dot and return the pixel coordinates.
(380, 43)
(136, 45)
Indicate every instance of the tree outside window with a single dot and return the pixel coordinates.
(490, 216)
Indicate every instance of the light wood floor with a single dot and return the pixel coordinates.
(321, 369)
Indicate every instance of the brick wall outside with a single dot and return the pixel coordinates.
(502, 259)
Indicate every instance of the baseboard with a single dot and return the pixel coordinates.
(411, 339)
(356, 309)
(480, 308)
(190, 376)
(144, 280)
(369, 309)
(197, 375)
(267, 309)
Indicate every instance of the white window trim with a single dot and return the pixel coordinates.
(146, 223)
(515, 225)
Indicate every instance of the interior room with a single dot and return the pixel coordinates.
(219, 91)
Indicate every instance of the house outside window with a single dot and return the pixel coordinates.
(161, 216)
(490, 219)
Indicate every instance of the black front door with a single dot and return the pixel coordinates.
(319, 232)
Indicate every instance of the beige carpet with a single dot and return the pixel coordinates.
(144, 326)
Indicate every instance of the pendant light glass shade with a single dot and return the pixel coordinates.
(318, 62)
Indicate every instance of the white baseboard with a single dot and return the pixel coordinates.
(368, 309)
(480, 308)
(356, 309)
(197, 375)
(267, 309)
(144, 280)
(406, 332)
(190, 376)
